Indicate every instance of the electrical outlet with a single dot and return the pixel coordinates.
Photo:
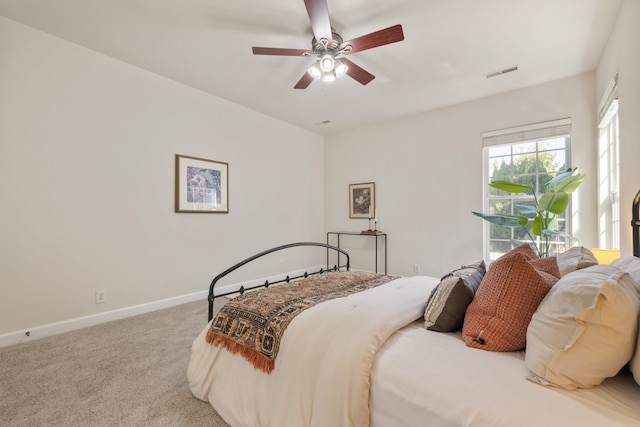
(416, 268)
(101, 296)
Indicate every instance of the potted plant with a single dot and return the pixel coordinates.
(539, 219)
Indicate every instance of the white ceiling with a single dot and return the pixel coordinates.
(449, 46)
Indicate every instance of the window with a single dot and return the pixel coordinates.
(609, 170)
(528, 155)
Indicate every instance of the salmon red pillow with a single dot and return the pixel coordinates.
(510, 292)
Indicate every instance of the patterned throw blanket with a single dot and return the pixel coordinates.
(253, 324)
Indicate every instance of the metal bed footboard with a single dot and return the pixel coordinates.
(212, 296)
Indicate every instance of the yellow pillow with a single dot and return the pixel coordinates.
(605, 256)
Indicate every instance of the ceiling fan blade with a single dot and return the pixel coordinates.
(319, 17)
(281, 51)
(358, 73)
(378, 38)
(304, 82)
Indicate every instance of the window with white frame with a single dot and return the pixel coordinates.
(528, 155)
(609, 170)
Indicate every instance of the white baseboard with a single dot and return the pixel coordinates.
(27, 335)
(43, 331)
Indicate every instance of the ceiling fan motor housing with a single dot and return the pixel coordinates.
(328, 47)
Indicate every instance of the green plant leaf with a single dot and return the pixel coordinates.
(554, 201)
(506, 220)
(570, 185)
(561, 177)
(509, 187)
(516, 242)
(536, 225)
(567, 181)
(527, 210)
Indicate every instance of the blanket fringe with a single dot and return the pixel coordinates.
(258, 360)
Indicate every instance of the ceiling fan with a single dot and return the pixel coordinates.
(329, 48)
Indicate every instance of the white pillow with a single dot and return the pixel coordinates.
(584, 330)
(631, 265)
(575, 258)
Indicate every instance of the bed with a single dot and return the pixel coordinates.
(374, 358)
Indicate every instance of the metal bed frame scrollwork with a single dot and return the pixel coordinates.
(212, 296)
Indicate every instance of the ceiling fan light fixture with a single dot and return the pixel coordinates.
(328, 77)
(328, 69)
(340, 68)
(326, 63)
(315, 71)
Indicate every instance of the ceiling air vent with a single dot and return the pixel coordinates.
(501, 72)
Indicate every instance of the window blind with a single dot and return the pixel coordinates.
(531, 132)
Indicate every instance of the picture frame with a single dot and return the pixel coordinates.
(202, 185)
(362, 200)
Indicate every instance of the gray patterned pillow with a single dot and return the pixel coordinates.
(448, 301)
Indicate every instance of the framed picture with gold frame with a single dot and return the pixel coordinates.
(362, 200)
(202, 185)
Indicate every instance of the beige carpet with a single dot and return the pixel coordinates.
(130, 372)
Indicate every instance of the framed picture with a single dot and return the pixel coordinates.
(202, 185)
(362, 200)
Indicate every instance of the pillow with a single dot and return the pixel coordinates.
(634, 363)
(449, 300)
(575, 258)
(605, 256)
(498, 316)
(585, 329)
(631, 265)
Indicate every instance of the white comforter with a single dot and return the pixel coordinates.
(322, 372)
(426, 378)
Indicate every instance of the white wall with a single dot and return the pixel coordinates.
(428, 173)
(622, 57)
(87, 147)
